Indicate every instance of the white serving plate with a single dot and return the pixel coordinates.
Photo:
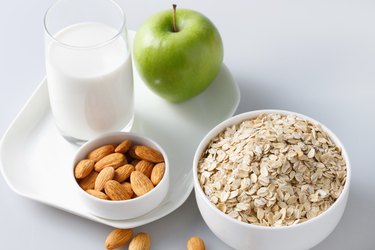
(35, 159)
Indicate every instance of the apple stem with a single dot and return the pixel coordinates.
(174, 18)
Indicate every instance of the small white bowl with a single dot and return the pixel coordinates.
(241, 235)
(126, 209)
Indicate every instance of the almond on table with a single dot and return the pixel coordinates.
(195, 243)
(117, 238)
(141, 241)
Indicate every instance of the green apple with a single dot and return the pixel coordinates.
(178, 53)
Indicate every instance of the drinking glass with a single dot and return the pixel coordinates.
(89, 69)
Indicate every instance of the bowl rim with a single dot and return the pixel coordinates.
(248, 115)
(123, 134)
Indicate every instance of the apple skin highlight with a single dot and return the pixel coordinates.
(178, 65)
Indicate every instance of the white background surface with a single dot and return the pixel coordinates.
(312, 57)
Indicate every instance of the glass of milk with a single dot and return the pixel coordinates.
(89, 69)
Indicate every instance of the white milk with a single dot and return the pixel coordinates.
(90, 89)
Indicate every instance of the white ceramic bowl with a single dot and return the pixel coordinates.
(127, 209)
(240, 235)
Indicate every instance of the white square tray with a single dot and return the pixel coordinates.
(35, 159)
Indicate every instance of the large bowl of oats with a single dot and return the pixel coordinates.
(271, 179)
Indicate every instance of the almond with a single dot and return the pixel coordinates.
(131, 153)
(123, 172)
(83, 168)
(135, 161)
(97, 194)
(145, 167)
(140, 183)
(100, 152)
(141, 241)
(148, 154)
(118, 237)
(105, 175)
(89, 181)
(128, 187)
(114, 160)
(157, 173)
(195, 243)
(116, 191)
(123, 147)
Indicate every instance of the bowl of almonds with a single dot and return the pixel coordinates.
(271, 179)
(121, 175)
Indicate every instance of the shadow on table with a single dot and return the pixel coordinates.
(355, 229)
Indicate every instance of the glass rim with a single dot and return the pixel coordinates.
(101, 44)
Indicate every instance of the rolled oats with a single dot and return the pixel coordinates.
(272, 170)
